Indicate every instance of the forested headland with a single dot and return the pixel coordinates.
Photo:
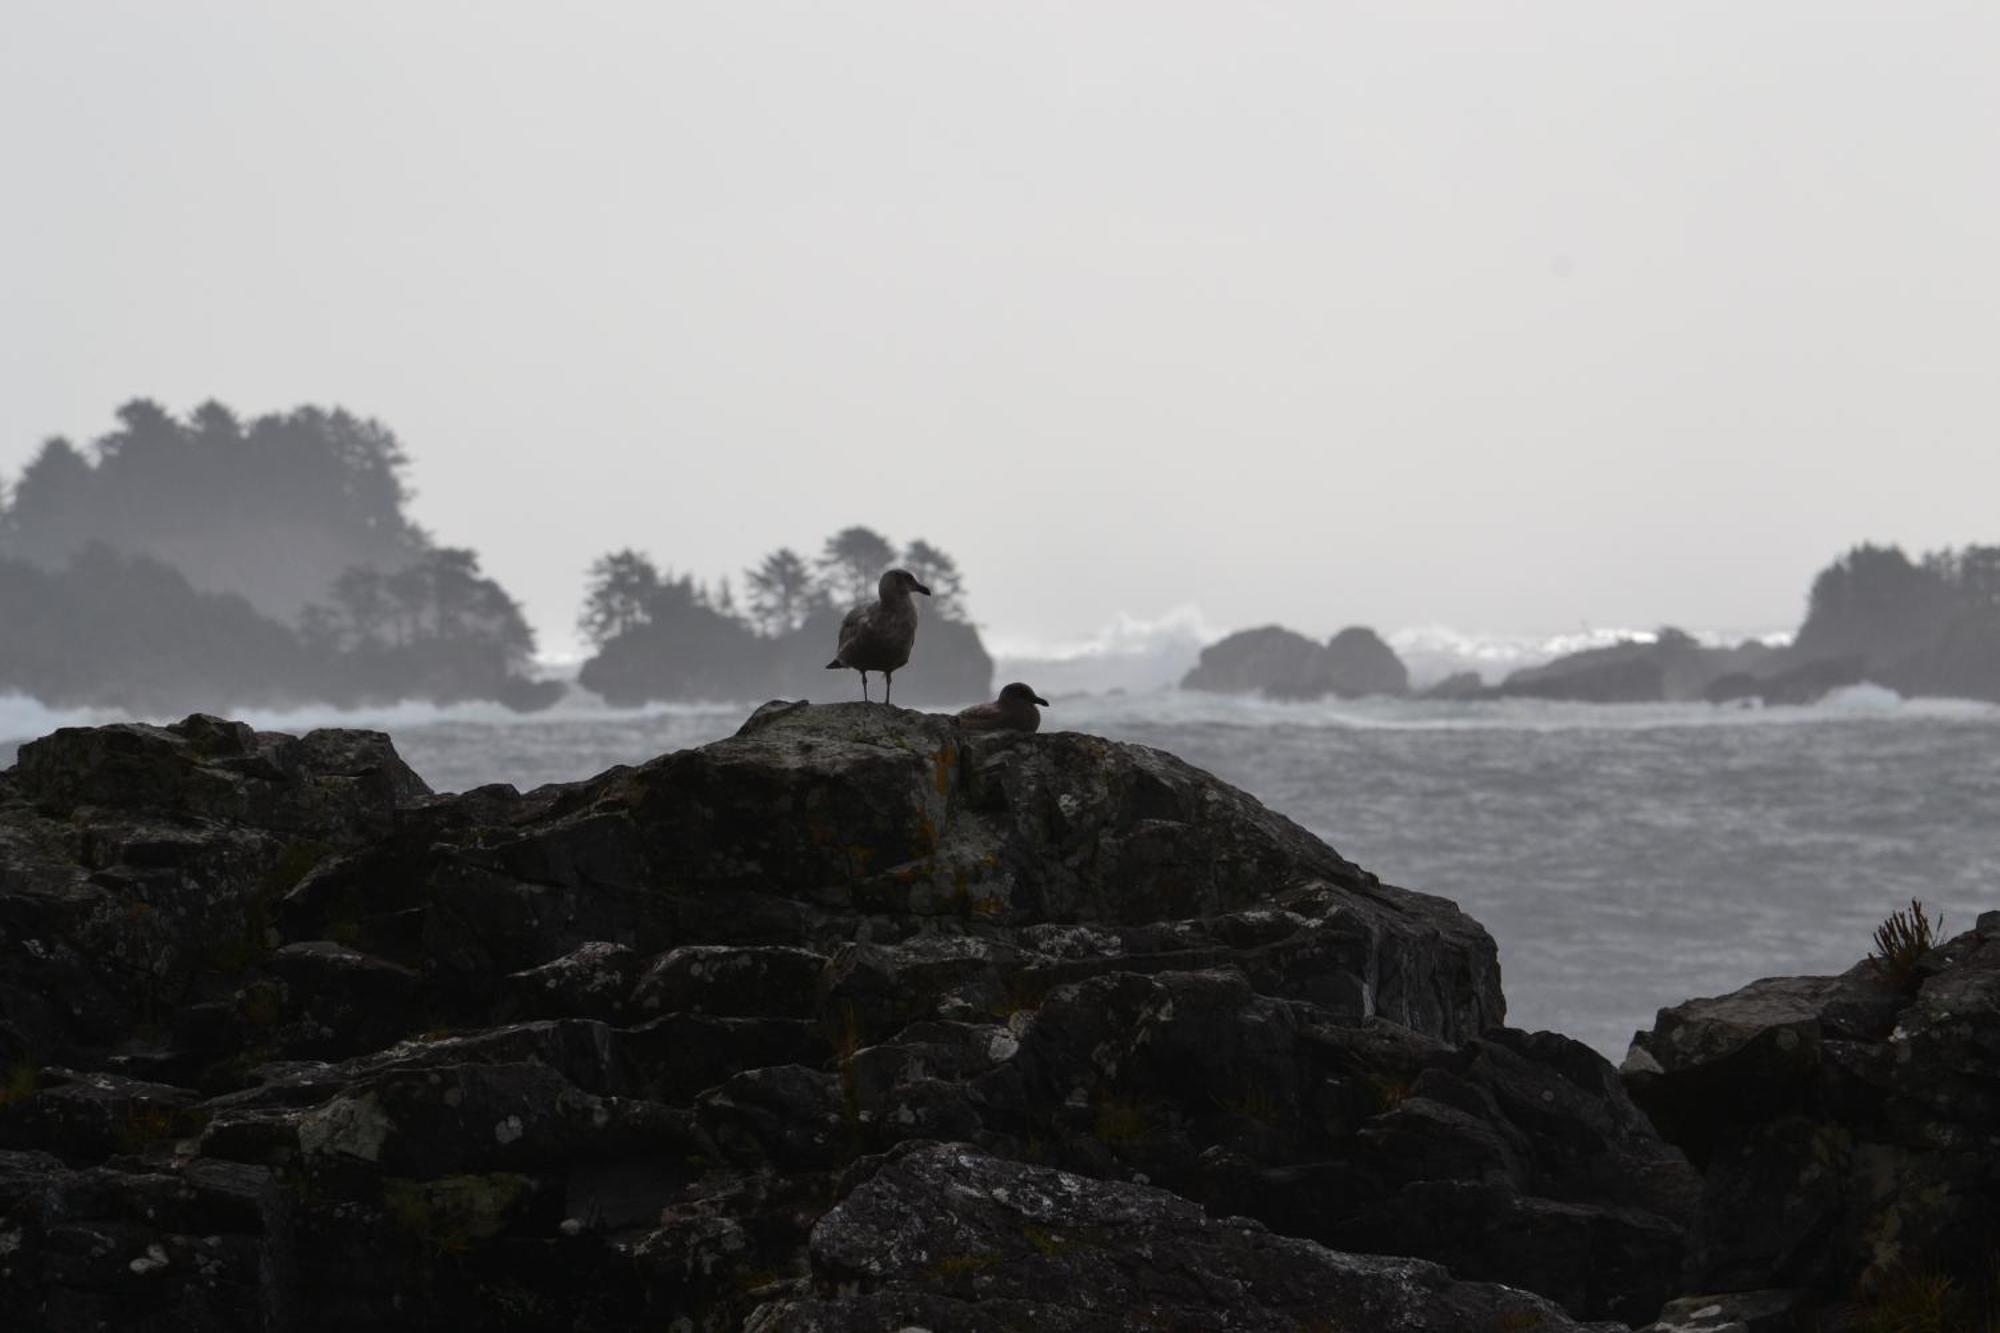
(213, 562)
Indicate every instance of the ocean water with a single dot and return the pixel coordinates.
(1625, 857)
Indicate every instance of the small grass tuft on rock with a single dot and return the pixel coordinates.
(1902, 940)
(1916, 1301)
(19, 1085)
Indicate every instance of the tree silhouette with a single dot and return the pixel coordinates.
(208, 562)
(724, 600)
(781, 592)
(853, 561)
(623, 586)
(47, 517)
(1873, 600)
(362, 607)
(272, 511)
(938, 572)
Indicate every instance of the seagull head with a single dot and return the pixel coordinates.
(901, 582)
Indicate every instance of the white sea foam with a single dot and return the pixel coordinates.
(1433, 652)
(23, 718)
(1129, 653)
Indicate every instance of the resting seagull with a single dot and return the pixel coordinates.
(1014, 710)
(877, 637)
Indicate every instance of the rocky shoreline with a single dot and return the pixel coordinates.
(855, 1022)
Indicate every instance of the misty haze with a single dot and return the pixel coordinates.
(1440, 582)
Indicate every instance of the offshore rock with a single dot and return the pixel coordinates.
(641, 1049)
(1669, 668)
(1283, 664)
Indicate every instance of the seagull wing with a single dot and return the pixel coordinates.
(982, 717)
(851, 628)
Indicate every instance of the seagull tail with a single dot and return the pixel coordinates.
(835, 665)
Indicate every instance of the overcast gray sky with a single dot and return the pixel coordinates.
(1510, 317)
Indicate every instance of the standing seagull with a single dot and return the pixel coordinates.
(878, 637)
(1014, 710)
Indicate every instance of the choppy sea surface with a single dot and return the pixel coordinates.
(1625, 857)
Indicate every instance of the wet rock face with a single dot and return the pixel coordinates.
(943, 1236)
(1845, 1125)
(606, 1054)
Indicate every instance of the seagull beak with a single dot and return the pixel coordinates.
(1040, 700)
(920, 587)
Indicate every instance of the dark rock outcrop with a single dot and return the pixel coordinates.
(1362, 664)
(1457, 687)
(676, 1043)
(1272, 660)
(1928, 627)
(1669, 668)
(943, 1236)
(1803, 684)
(1281, 664)
(1844, 1125)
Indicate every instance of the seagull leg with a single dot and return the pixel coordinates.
(888, 683)
(864, 687)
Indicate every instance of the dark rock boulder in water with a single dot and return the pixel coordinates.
(1360, 663)
(1794, 685)
(1460, 685)
(1273, 661)
(1844, 1124)
(304, 1046)
(1281, 664)
(1670, 668)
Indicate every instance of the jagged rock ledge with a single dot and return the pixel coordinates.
(847, 1022)
(1846, 1127)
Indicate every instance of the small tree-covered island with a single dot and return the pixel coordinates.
(661, 638)
(859, 1021)
(213, 563)
(216, 563)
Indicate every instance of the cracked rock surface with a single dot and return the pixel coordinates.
(850, 1021)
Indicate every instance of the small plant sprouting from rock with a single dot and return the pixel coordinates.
(1254, 1103)
(454, 1214)
(19, 1085)
(1916, 1301)
(145, 1126)
(1391, 1088)
(1119, 1120)
(962, 1265)
(1903, 939)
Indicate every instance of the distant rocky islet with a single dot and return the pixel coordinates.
(1923, 629)
(119, 588)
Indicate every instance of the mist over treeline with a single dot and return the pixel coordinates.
(216, 562)
(210, 562)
